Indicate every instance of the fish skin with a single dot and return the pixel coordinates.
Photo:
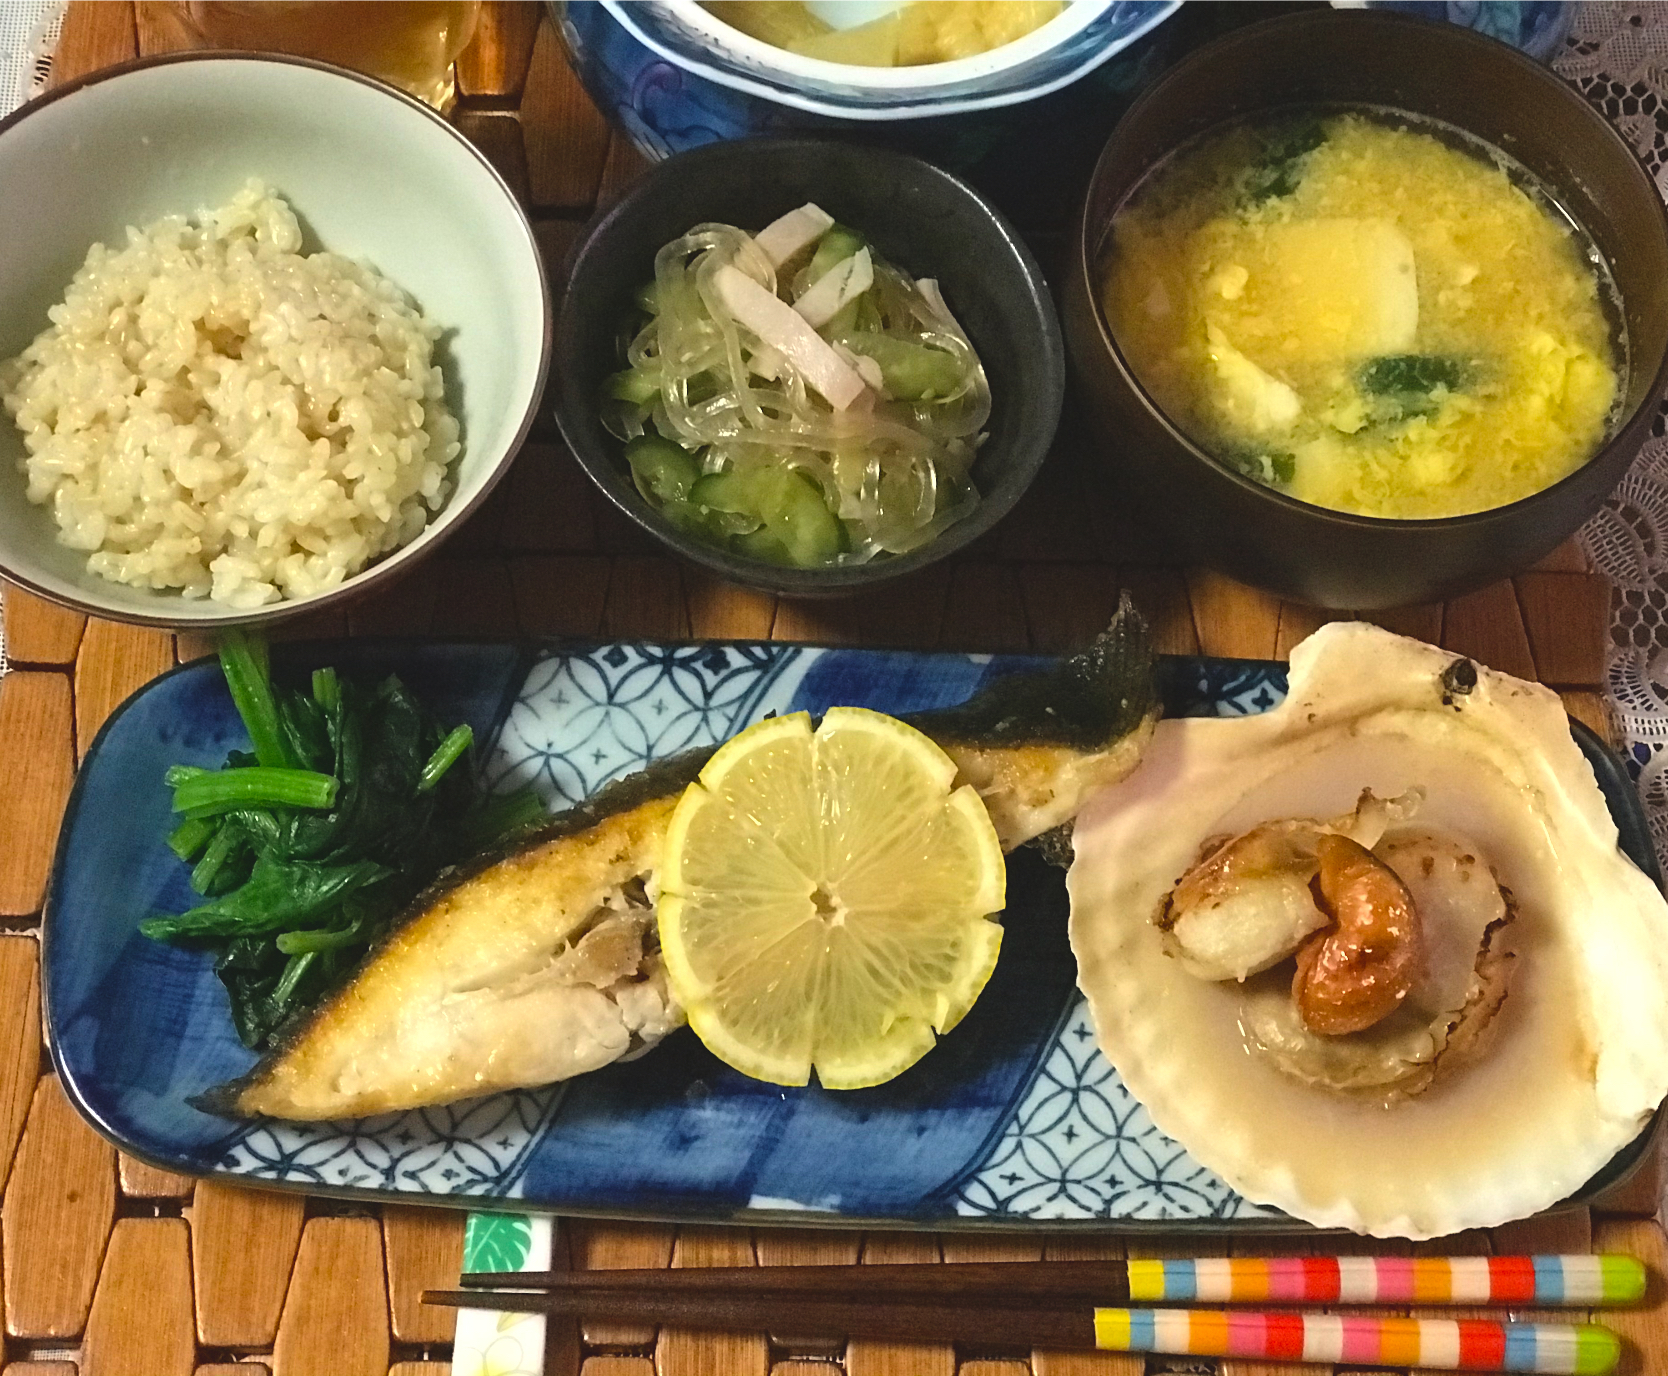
(440, 1010)
(1035, 745)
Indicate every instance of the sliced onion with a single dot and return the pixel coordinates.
(796, 230)
(928, 287)
(776, 324)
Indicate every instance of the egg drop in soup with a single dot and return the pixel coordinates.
(1367, 315)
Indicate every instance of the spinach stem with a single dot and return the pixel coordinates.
(445, 756)
(298, 966)
(215, 857)
(205, 794)
(243, 661)
(302, 942)
(190, 836)
(327, 689)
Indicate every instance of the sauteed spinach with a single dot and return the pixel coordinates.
(308, 845)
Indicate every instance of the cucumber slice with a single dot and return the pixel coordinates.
(835, 246)
(663, 471)
(799, 517)
(844, 321)
(854, 318)
(729, 504)
(731, 492)
(790, 521)
(914, 372)
(634, 385)
(762, 544)
(686, 518)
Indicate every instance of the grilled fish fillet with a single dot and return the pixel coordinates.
(538, 964)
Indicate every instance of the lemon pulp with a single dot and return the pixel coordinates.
(825, 898)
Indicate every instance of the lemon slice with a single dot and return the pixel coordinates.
(825, 897)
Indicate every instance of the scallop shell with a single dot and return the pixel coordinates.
(1579, 1056)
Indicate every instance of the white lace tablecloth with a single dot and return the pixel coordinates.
(1617, 55)
(28, 33)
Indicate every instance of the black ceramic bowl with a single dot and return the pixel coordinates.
(920, 218)
(1309, 554)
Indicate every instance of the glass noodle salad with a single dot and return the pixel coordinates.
(794, 397)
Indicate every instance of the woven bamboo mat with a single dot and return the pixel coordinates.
(116, 1269)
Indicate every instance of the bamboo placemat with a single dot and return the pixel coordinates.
(116, 1269)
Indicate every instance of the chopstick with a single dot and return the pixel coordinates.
(1542, 1281)
(1441, 1344)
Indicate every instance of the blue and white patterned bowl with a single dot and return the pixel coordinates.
(1537, 27)
(673, 77)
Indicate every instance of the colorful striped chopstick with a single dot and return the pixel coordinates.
(1576, 1281)
(1465, 1345)
(1543, 1281)
(1058, 1304)
(1443, 1344)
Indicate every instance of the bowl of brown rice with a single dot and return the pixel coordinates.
(269, 330)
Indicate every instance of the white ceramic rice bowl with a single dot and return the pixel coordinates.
(372, 174)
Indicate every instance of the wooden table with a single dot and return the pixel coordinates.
(130, 1271)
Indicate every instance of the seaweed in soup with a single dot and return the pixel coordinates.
(1285, 149)
(1403, 386)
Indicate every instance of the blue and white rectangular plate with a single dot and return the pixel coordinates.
(1014, 1119)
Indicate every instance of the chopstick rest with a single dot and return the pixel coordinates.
(1439, 1344)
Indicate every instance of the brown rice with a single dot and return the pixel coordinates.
(215, 411)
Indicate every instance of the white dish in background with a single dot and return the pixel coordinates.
(372, 174)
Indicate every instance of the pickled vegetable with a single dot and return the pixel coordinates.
(795, 398)
(662, 470)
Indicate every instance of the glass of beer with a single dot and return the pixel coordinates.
(409, 43)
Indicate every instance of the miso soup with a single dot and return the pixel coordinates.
(1367, 313)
